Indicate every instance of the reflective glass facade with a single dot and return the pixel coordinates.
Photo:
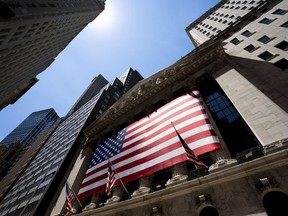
(32, 127)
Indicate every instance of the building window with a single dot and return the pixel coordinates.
(246, 33)
(283, 64)
(266, 56)
(265, 39)
(236, 134)
(280, 12)
(235, 41)
(250, 48)
(282, 45)
(285, 25)
(266, 21)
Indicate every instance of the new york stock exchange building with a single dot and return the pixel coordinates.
(226, 102)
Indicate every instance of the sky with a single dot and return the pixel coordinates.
(146, 35)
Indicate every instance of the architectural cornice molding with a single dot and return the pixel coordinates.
(159, 86)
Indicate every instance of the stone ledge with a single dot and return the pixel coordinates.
(258, 165)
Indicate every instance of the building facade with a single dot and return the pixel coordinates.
(241, 75)
(32, 34)
(22, 161)
(32, 127)
(96, 85)
(22, 137)
(33, 193)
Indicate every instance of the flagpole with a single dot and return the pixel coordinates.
(118, 177)
(173, 126)
(195, 158)
(74, 193)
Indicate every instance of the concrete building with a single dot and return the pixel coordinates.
(245, 93)
(33, 191)
(32, 34)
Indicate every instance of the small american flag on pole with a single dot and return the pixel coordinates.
(190, 154)
(69, 199)
(151, 144)
(111, 179)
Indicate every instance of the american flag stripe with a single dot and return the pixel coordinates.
(69, 199)
(168, 132)
(153, 147)
(130, 164)
(184, 114)
(151, 144)
(173, 109)
(190, 154)
(159, 115)
(111, 180)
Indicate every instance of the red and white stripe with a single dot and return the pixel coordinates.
(111, 180)
(151, 144)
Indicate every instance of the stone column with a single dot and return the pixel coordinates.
(145, 184)
(117, 195)
(95, 200)
(221, 159)
(179, 174)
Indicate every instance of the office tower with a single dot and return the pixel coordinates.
(32, 34)
(23, 160)
(34, 192)
(22, 137)
(244, 93)
(32, 127)
(222, 16)
(129, 78)
(96, 85)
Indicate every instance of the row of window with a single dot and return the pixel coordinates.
(50, 4)
(240, 2)
(237, 7)
(267, 56)
(264, 39)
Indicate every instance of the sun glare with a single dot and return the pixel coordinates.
(106, 19)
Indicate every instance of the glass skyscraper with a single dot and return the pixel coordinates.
(32, 127)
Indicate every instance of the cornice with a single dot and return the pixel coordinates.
(161, 85)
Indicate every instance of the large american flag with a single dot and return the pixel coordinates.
(151, 144)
